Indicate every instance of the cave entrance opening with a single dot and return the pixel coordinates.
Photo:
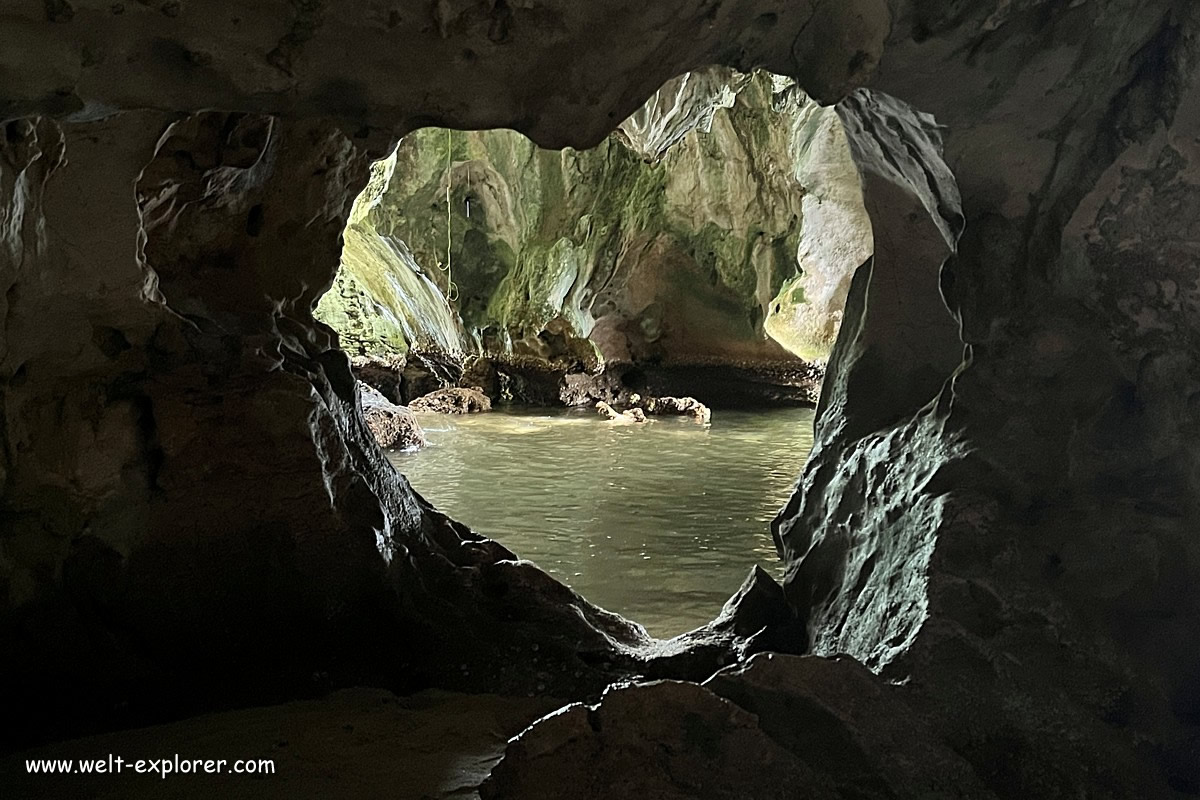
(703, 250)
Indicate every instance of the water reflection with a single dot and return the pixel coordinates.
(659, 522)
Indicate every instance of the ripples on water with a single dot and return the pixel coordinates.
(658, 522)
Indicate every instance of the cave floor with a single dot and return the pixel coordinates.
(355, 743)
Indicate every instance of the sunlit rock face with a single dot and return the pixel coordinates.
(999, 517)
(721, 223)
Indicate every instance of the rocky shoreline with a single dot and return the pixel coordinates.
(570, 383)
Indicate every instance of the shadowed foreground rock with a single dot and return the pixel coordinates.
(666, 740)
(775, 727)
(356, 744)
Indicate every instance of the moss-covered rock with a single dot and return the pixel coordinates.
(675, 240)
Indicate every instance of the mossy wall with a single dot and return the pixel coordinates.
(676, 239)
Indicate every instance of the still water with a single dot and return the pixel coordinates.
(659, 522)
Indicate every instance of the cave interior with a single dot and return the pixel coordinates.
(992, 584)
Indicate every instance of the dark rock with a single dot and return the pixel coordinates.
(667, 741)
(427, 371)
(382, 375)
(756, 619)
(999, 516)
(777, 726)
(849, 726)
(481, 372)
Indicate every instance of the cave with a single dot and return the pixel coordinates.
(705, 247)
(990, 556)
(698, 258)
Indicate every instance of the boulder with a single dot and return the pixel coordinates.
(455, 400)
(634, 415)
(394, 426)
(666, 740)
(774, 727)
(680, 406)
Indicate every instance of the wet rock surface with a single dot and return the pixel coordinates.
(453, 401)
(673, 406)
(632, 415)
(393, 426)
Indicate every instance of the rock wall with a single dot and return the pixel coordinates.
(1007, 535)
(195, 513)
(722, 220)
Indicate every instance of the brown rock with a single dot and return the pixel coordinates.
(394, 426)
(681, 406)
(453, 401)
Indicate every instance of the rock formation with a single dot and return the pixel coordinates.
(998, 520)
(453, 401)
(726, 212)
(393, 426)
(678, 406)
(634, 415)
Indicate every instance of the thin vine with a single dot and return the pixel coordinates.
(451, 287)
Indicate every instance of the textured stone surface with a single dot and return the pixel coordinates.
(852, 728)
(677, 406)
(194, 507)
(549, 68)
(701, 238)
(665, 740)
(776, 727)
(453, 401)
(632, 415)
(1012, 535)
(393, 426)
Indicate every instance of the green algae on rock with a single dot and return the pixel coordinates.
(722, 222)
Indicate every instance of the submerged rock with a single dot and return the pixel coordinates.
(453, 401)
(612, 415)
(681, 406)
(394, 426)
